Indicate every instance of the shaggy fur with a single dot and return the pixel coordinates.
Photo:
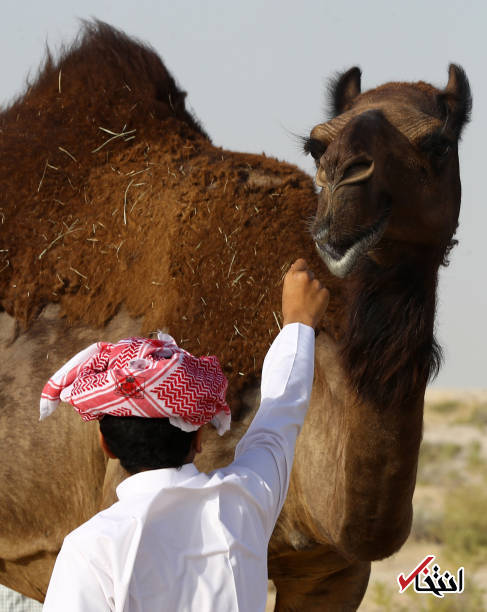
(389, 347)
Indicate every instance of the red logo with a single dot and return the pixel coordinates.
(130, 386)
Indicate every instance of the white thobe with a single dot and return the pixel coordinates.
(181, 540)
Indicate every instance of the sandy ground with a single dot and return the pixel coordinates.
(463, 396)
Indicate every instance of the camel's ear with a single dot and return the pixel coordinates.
(456, 100)
(343, 89)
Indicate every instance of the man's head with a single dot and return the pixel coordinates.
(147, 443)
(151, 398)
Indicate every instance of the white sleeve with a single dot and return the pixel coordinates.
(267, 448)
(74, 585)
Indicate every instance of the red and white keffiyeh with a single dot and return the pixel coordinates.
(145, 378)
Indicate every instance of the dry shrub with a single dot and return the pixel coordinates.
(463, 527)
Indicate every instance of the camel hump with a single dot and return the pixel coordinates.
(102, 71)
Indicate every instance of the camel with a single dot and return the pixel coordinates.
(119, 216)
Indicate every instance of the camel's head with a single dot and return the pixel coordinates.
(387, 163)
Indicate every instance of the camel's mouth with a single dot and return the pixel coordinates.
(341, 259)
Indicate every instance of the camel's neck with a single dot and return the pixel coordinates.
(388, 347)
(366, 413)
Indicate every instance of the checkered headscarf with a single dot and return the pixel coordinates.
(145, 378)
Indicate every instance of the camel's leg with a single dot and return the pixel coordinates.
(332, 585)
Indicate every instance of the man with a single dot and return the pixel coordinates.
(177, 539)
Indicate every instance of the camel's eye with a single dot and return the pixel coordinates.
(437, 147)
(315, 147)
(442, 150)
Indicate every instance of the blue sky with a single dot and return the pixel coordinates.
(255, 73)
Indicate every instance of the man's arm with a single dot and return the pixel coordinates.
(74, 586)
(267, 448)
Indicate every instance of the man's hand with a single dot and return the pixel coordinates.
(304, 300)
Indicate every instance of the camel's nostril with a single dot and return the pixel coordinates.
(357, 172)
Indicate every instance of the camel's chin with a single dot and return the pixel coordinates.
(341, 264)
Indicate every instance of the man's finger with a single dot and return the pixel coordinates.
(299, 264)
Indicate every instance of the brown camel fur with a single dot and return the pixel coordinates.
(119, 216)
